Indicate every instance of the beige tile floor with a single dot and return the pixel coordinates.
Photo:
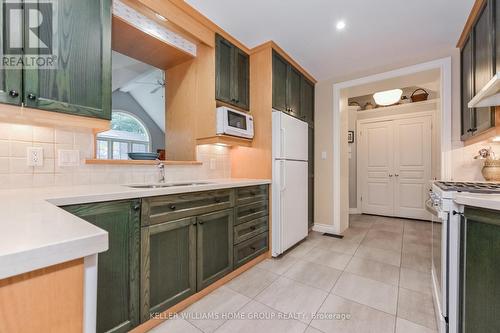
(378, 275)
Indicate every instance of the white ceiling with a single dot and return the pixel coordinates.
(378, 32)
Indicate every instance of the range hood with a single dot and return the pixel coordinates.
(489, 95)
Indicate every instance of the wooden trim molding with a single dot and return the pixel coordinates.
(139, 162)
(476, 10)
(148, 325)
(271, 44)
(225, 140)
(45, 300)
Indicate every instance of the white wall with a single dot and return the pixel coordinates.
(16, 138)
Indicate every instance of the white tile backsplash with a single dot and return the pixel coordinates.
(14, 173)
(465, 167)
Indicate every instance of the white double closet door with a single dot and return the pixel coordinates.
(395, 167)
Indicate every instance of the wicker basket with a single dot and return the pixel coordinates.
(419, 97)
(491, 170)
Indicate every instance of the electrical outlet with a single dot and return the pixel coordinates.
(34, 156)
(213, 162)
(68, 158)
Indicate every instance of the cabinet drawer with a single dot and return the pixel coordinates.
(250, 229)
(249, 212)
(172, 207)
(246, 195)
(252, 248)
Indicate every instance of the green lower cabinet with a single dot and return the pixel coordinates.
(480, 271)
(118, 268)
(214, 247)
(168, 273)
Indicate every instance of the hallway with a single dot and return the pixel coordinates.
(377, 279)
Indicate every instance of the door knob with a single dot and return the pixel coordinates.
(13, 93)
(32, 96)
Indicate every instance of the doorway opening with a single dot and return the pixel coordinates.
(385, 157)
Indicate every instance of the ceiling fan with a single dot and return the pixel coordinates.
(159, 83)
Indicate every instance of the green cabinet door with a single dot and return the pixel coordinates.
(232, 74)
(81, 82)
(280, 77)
(466, 89)
(224, 69)
(293, 92)
(480, 271)
(10, 79)
(241, 81)
(168, 267)
(307, 101)
(483, 118)
(118, 268)
(214, 247)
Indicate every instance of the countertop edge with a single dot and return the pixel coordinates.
(91, 241)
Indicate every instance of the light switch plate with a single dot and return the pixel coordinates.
(68, 158)
(34, 156)
(323, 155)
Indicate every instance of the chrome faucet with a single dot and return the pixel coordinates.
(161, 168)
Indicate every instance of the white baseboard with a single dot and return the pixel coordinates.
(324, 228)
(354, 211)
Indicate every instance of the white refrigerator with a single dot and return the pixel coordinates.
(289, 190)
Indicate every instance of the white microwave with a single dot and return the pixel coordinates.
(235, 123)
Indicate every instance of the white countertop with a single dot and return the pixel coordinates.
(488, 201)
(36, 233)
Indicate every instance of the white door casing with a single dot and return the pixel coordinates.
(395, 166)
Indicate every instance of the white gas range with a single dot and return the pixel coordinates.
(446, 247)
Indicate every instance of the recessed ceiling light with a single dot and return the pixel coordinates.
(340, 25)
(161, 17)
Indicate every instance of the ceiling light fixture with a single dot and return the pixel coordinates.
(161, 17)
(388, 97)
(340, 25)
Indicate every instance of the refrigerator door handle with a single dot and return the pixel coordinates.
(282, 176)
(282, 145)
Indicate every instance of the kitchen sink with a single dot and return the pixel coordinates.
(160, 185)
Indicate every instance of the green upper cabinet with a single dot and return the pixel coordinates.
(232, 77)
(292, 92)
(118, 268)
(214, 246)
(10, 79)
(280, 79)
(483, 118)
(467, 83)
(80, 84)
(307, 101)
(478, 65)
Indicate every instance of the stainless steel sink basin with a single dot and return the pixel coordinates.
(168, 185)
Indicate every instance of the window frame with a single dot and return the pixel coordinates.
(130, 143)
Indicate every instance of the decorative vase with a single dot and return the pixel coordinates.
(491, 170)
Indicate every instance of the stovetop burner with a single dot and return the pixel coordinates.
(472, 187)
